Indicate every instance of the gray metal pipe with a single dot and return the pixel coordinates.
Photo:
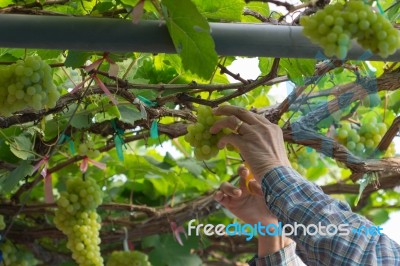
(115, 35)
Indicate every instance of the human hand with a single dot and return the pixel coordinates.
(259, 141)
(248, 206)
(251, 208)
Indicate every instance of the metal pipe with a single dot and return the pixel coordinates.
(116, 35)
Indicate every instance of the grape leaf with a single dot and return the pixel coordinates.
(8, 182)
(83, 120)
(260, 8)
(130, 2)
(129, 115)
(76, 59)
(193, 166)
(167, 251)
(5, 3)
(298, 69)
(191, 36)
(228, 10)
(21, 146)
(378, 216)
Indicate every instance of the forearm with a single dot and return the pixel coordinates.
(293, 199)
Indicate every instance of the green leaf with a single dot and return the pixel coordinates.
(8, 182)
(48, 54)
(129, 114)
(4, 3)
(298, 69)
(378, 216)
(21, 146)
(260, 8)
(191, 36)
(167, 250)
(168, 159)
(363, 184)
(228, 10)
(265, 64)
(193, 166)
(76, 59)
(54, 127)
(130, 2)
(394, 101)
(6, 154)
(83, 120)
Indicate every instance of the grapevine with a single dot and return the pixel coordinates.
(128, 258)
(27, 83)
(77, 218)
(199, 136)
(336, 25)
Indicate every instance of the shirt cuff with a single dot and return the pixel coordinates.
(285, 256)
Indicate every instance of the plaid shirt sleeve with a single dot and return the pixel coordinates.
(283, 257)
(295, 200)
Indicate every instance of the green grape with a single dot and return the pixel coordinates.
(82, 149)
(93, 154)
(88, 149)
(30, 82)
(353, 20)
(128, 258)
(76, 217)
(302, 158)
(364, 137)
(351, 145)
(342, 134)
(369, 143)
(16, 256)
(199, 135)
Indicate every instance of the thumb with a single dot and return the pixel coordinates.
(247, 181)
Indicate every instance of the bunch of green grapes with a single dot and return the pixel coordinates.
(336, 25)
(77, 218)
(2, 223)
(88, 149)
(362, 140)
(16, 257)
(302, 158)
(27, 83)
(128, 258)
(199, 136)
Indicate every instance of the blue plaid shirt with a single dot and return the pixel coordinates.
(293, 199)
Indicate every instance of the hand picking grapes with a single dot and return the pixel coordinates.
(291, 199)
(200, 137)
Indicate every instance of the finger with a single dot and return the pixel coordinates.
(230, 122)
(243, 171)
(263, 119)
(219, 196)
(233, 139)
(230, 190)
(255, 188)
(241, 113)
(251, 185)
